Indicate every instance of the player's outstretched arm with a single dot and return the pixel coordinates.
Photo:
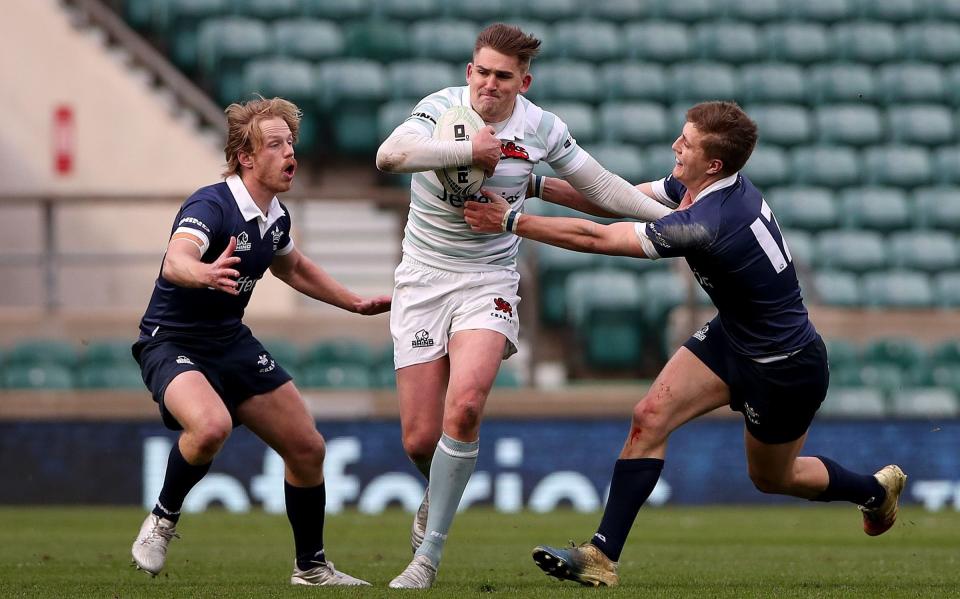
(410, 150)
(182, 265)
(301, 273)
(558, 191)
(494, 216)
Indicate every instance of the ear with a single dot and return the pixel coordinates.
(245, 159)
(525, 82)
(714, 166)
(469, 70)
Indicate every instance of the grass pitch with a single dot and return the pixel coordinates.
(802, 551)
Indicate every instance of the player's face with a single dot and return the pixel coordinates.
(273, 162)
(495, 79)
(692, 165)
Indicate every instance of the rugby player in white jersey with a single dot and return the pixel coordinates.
(454, 312)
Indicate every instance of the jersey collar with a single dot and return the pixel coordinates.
(513, 128)
(248, 208)
(718, 185)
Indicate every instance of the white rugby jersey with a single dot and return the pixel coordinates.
(436, 233)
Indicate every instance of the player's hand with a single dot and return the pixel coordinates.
(486, 150)
(486, 216)
(221, 274)
(373, 305)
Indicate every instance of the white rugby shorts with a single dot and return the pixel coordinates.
(430, 305)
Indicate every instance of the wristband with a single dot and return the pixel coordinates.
(512, 218)
(538, 181)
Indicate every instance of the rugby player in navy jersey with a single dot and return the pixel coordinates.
(206, 371)
(760, 355)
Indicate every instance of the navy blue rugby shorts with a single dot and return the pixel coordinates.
(778, 399)
(236, 365)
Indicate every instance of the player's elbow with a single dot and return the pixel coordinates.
(389, 160)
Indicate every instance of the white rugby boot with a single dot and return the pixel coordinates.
(880, 519)
(324, 575)
(419, 527)
(419, 574)
(150, 549)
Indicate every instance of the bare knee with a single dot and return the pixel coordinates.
(305, 456)
(203, 442)
(464, 413)
(419, 445)
(766, 483)
(649, 421)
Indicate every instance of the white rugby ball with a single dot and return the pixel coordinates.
(459, 123)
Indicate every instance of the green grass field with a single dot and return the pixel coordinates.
(803, 551)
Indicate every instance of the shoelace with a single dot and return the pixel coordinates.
(160, 531)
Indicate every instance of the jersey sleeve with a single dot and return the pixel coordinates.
(285, 244)
(563, 154)
(201, 217)
(425, 114)
(670, 190)
(679, 233)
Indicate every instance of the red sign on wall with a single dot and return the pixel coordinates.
(64, 139)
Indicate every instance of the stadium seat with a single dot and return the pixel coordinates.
(829, 166)
(884, 377)
(946, 289)
(807, 208)
(579, 117)
(383, 375)
(103, 376)
(378, 40)
(231, 39)
(848, 124)
(881, 209)
(946, 352)
(179, 21)
(932, 42)
(447, 40)
(944, 10)
(139, 14)
(768, 165)
(664, 290)
(802, 43)
(731, 43)
(842, 82)
(338, 10)
(311, 39)
(594, 41)
(754, 11)
(657, 41)
(550, 10)
(946, 165)
(391, 114)
(898, 83)
(773, 82)
(781, 124)
(38, 375)
(865, 41)
(288, 78)
(633, 122)
(285, 353)
(554, 265)
(418, 78)
(617, 11)
(113, 352)
(685, 10)
(701, 81)
(507, 378)
(561, 80)
(853, 402)
(338, 351)
(857, 251)
(897, 289)
(894, 11)
(842, 353)
(630, 80)
(824, 11)
(903, 166)
(906, 353)
(406, 10)
(837, 288)
(929, 402)
(267, 9)
(337, 376)
(349, 82)
(800, 244)
(929, 251)
(606, 309)
(925, 124)
(42, 351)
(937, 207)
(622, 159)
(488, 11)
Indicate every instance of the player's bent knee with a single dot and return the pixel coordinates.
(648, 418)
(209, 437)
(420, 446)
(768, 484)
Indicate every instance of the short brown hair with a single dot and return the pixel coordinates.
(729, 135)
(509, 40)
(243, 126)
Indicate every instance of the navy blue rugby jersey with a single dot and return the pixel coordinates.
(734, 247)
(214, 214)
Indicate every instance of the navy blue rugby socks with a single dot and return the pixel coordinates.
(306, 508)
(633, 481)
(844, 485)
(181, 476)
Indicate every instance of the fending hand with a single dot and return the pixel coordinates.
(373, 305)
(486, 216)
(221, 275)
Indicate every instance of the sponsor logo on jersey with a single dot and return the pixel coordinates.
(424, 115)
(512, 150)
(246, 284)
(266, 363)
(422, 339)
(502, 305)
(184, 360)
(243, 242)
(189, 220)
(702, 333)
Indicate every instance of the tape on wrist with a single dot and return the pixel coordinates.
(538, 186)
(511, 224)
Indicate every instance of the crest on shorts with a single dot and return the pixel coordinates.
(422, 339)
(502, 305)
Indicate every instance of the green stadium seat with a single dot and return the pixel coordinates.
(807, 208)
(657, 161)
(853, 402)
(884, 377)
(618, 11)
(447, 40)
(929, 251)
(685, 10)
(407, 10)
(338, 351)
(768, 165)
(38, 376)
(139, 14)
(897, 289)
(641, 267)
(594, 41)
(754, 11)
(180, 20)
(938, 207)
(285, 353)
(943, 10)
(391, 114)
(842, 82)
(865, 41)
(802, 43)
(946, 288)
(781, 124)
(701, 81)
(773, 82)
(231, 39)
(664, 290)
(894, 11)
(378, 40)
(349, 82)
(103, 376)
(288, 78)
(488, 11)
(841, 352)
(622, 159)
(946, 376)
(606, 309)
(579, 118)
(507, 378)
(925, 124)
(800, 244)
(337, 376)
(848, 124)
(561, 80)
(837, 288)
(657, 41)
(911, 82)
(930, 402)
(946, 165)
(902, 351)
(113, 352)
(633, 122)
(310, 39)
(903, 166)
(554, 265)
(946, 352)
(881, 209)
(829, 166)
(550, 10)
(631, 80)
(824, 11)
(338, 10)
(42, 351)
(730, 43)
(420, 77)
(267, 9)
(856, 251)
(932, 42)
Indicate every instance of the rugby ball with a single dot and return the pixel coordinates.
(459, 123)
